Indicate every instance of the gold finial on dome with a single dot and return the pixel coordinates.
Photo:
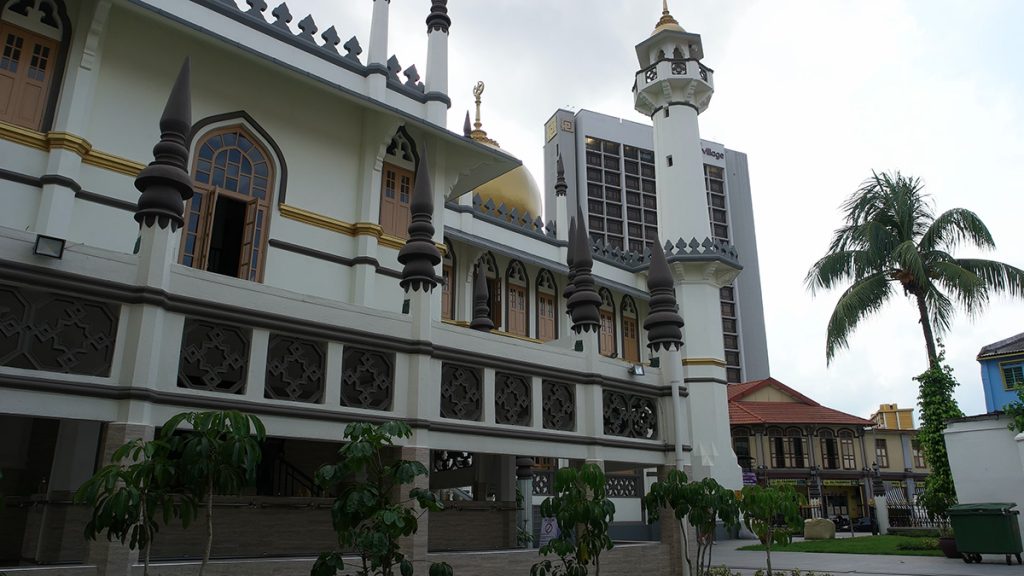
(667, 22)
(478, 133)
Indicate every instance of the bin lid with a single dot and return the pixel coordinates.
(990, 507)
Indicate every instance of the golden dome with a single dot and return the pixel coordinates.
(515, 188)
(667, 22)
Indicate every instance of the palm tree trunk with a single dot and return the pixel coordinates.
(926, 327)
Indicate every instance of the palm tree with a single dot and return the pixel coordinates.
(892, 236)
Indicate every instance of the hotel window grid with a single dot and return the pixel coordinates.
(630, 331)
(606, 341)
(227, 218)
(829, 450)
(517, 283)
(398, 174)
(881, 453)
(622, 203)
(1013, 375)
(714, 183)
(27, 69)
(846, 450)
(547, 307)
(918, 453)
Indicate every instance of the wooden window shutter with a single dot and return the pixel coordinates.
(246, 269)
(26, 72)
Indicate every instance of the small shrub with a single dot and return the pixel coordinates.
(919, 544)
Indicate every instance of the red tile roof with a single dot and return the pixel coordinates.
(803, 411)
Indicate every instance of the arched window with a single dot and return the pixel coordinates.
(795, 448)
(606, 342)
(846, 450)
(227, 219)
(518, 285)
(829, 449)
(397, 177)
(489, 266)
(741, 447)
(547, 306)
(776, 448)
(630, 331)
(34, 35)
(448, 288)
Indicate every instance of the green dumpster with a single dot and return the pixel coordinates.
(986, 528)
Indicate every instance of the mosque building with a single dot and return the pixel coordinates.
(207, 208)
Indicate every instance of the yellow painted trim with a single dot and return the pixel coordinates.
(70, 142)
(1002, 373)
(346, 228)
(704, 362)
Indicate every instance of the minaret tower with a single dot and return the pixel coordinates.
(672, 88)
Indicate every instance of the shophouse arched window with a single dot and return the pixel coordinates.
(741, 447)
(776, 448)
(34, 36)
(829, 449)
(630, 331)
(448, 286)
(397, 177)
(228, 218)
(795, 452)
(518, 285)
(489, 266)
(547, 306)
(846, 450)
(606, 344)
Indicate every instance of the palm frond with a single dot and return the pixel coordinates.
(940, 310)
(909, 260)
(999, 277)
(865, 297)
(836, 268)
(968, 289)
(953, 227)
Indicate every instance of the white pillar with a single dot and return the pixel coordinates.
(679, 174)
(672, 374)
(437, 64)
(377, 55)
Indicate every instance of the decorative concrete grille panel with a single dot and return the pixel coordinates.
(214, 357)
(449, 460)
(543, 483)
(511, 399)
(56, 332)
(295, 369)
(367, 379)
(461, 392)
(559, 406)
(623, 486)
(630, 415)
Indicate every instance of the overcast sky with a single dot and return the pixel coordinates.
(818, 93)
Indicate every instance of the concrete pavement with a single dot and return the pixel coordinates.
(746, 562)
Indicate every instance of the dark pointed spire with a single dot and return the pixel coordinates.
(165, 183)
(420, 255)
(569, 287)
(467, 128)
(560, 185)
(663, 323)
(438, 18)
(481, 308)
(585, 301)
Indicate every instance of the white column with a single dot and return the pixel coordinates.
(437, 74)
(378, 52)
(681, 191)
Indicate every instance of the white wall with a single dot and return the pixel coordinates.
(987, 462)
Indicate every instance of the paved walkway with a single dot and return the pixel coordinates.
(746, 562)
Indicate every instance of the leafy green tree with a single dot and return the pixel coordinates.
(937, 407)
(1015, 411)
(891, 236)
(365, 514)
(700, 504)
(133, 495)
(581, 506)
(219, 455)
(772, 513)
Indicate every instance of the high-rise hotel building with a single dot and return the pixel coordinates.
(610, 169)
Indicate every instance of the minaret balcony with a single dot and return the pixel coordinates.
(673, 81)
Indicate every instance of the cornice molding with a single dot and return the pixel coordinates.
(347, 228)
(72, 142)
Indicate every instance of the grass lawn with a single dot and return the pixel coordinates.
(860, 545)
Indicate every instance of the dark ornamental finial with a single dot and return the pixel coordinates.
(569, 260)
(585, 301)
(438, 18)
(481, 308)
(467, 128)
(165, 183)
(420, 254)
(663, 324)
(560, 185)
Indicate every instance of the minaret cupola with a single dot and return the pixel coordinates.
(670, 68)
